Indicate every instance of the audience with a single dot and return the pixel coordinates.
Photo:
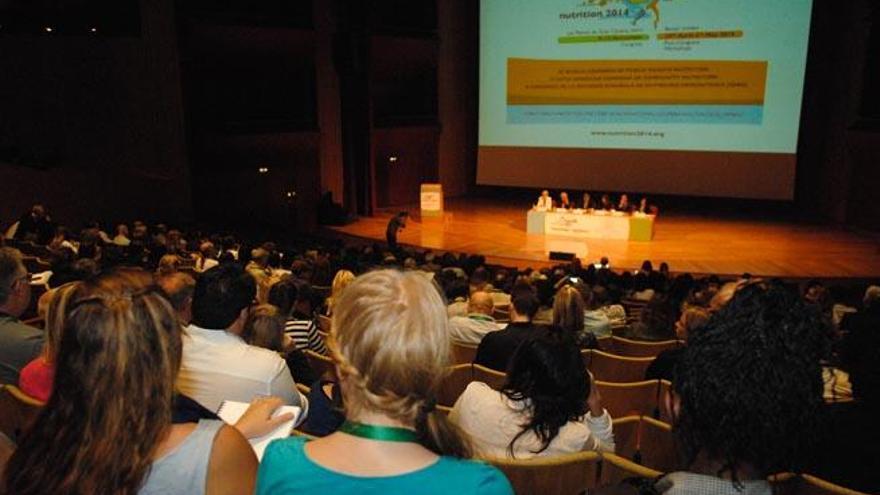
(206, 258)
(265, 328)
(663, 366)
(341, 280)
(457, 293)
(35, 226)
(178, 288)
(747, 395)
(391, 345)
(597, 319)
(548, 406)
(122, 238)
(37, 378)
(108, 425)
(496, 348)
(294, 298)
(850, 455)
(217, 364)
(222, 356)
(472, 328)
(19, 343)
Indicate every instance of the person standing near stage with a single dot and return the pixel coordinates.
(396, 223)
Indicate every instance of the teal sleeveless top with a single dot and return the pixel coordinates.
(287, 469)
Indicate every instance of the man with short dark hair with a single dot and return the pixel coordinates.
(497, 348)
(19, 343)
(217, 364)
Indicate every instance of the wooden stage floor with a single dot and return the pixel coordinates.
(695, 244)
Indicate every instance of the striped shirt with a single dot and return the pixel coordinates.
(304, 333)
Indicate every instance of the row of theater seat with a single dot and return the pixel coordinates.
(644, 449)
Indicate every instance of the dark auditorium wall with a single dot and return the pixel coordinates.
(837, 175)
(92, 126)
(175, 122)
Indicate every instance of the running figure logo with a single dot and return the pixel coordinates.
(639, 9)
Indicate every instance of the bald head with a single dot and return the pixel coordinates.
(481, 302)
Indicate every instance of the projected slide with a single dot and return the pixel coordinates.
(678, 69)
(678, 75)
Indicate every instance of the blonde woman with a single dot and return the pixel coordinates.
(390, 343)
(568, 315)
(342, 280)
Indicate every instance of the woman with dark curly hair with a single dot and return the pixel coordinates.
(547, 407)
(747, 395)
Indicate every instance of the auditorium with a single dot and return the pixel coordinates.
(495, 247)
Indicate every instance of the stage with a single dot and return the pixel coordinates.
(689, 243)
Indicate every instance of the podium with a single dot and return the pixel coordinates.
(432, 200)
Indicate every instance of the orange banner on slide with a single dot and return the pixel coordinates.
(635, 82)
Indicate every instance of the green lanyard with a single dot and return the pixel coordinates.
(381, 433)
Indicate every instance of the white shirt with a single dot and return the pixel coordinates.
(492, 421)
(218, 366)
(472, 328)
(204, 264)
(544, 203)
(459, 307)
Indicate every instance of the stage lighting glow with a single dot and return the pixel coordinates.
(392, 159)
(263, 170)
(48, 29)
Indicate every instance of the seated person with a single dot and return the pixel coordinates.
(496, 348)
(587, 204)
(35, 226)
(568, 317)
(605, 203)
(109, 427)
(656, 321)
(457, 292)
(643, 206)
(37, 378)
(564, 203)
(178, 288)
(295, 298)
(735, 429)
(472, 328)
(691, 320)
(545, 202)
(391, 346)
(850, 454)
(217, 363)
(596, 321)
(19, 343)
(623, 205)
(548, 406)
(341, 280)
(265, 328)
